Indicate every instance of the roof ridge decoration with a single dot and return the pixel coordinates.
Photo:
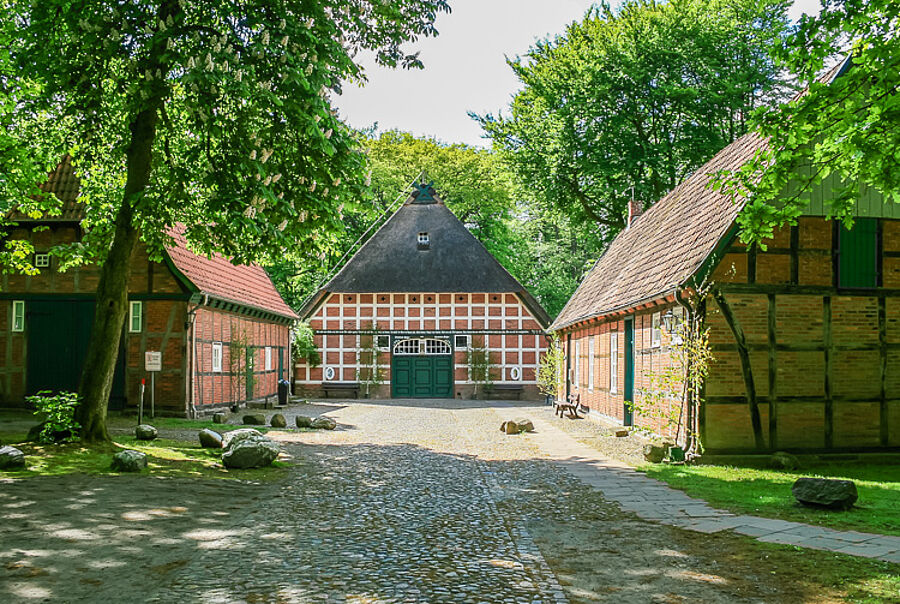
(423, 192)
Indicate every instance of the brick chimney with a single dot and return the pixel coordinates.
(634, 210)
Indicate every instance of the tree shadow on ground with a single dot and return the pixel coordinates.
(376, 523)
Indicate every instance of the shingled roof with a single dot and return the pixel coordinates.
(670, 242)
(245, 285)
(455, 261)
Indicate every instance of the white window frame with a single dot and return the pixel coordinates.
(217, 357)
(18, 316)
(614, 362)
(379, 343)
(515, 373)
(135, 311)
(269, 364)
(590, 368)
(329, 373)
(575, 370)
(41, 260)
(423, 238)
(655, 330)
(466, 339)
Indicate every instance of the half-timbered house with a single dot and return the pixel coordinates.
(431, 296)
(804, 333)
(222, 329)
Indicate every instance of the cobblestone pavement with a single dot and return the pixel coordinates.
(427, 501)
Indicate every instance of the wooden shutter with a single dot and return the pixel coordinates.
(858, 254)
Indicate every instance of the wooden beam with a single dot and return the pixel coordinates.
(829, 372)
(883, 370)
(746, 369)
(773, 375)
(752, 252)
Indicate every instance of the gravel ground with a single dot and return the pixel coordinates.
(407, 501)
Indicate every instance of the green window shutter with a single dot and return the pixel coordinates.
(858, 254)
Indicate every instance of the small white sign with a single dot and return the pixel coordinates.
(152, 361)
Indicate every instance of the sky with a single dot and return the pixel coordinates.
(465, 68)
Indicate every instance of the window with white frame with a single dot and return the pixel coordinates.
(461, 342)
(18, 315)
(383, 343)
(590, 360)
(42, 260)
(217, 357)
(614, 362)
(655, 330)
(576, 374)
(423, 241)
(268, 358)
(135, 316)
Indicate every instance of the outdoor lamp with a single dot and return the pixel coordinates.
(669, 321)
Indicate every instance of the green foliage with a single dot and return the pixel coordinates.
(240, 364)
(481, 365)
(551, 373)
(58, 411)
(678, 381)
(629, 102)
(371, 370)
(845, 129)
(304, 345)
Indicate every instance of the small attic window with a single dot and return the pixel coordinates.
(42, 260)
(423, 241)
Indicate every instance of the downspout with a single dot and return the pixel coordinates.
(192, 400)
(568, 364)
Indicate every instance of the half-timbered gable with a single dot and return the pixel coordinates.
(802, 330)
(193, 309)
(428, 292)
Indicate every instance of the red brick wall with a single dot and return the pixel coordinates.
(229, 385)
(650, 361)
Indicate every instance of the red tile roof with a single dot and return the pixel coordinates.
(247, 285)
(63, 183)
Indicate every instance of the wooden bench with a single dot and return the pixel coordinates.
(511, 389)
(572, 405)
(329, 387)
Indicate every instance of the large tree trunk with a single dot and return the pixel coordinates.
(112, 291)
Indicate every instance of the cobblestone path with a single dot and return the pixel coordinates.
(430, 502)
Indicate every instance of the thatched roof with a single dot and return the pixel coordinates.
(453, 261)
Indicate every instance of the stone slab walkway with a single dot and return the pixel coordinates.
(655, 501)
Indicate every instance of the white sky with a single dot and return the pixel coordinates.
(465, 68)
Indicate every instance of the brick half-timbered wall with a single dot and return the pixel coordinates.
(825, 360)
(217, 388)
(591, 345)
(511, 333)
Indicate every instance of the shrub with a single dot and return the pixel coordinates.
(59, 409)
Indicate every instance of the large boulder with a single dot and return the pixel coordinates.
(323, 423)
(145, 432)
(129, 461)
(655, 452)
(219, 417)
(825, 493)
(303, 421)
(278, 421)
(254, 452)
(517, 426)
(783, 461)
(233, 437)
(210, 439)
(255, 419)
(11, 458)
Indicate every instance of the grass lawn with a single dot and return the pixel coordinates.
(768, 492)
(166, 457)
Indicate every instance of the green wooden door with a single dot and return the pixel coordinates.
(858, 254)
(58, 334)
(422, 376)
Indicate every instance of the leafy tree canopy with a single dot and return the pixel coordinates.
(637, 97)
(846, 129)
(213, 115)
